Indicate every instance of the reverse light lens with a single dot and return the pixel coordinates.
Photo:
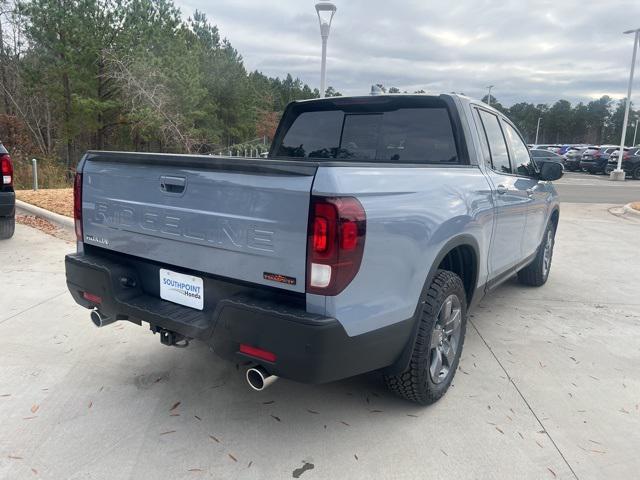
(320, 275)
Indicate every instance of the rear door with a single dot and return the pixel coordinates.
(236, 218)
(510, 195)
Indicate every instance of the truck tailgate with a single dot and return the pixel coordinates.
(236, 218)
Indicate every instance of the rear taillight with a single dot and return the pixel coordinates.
(626, 156)
(7, 170)
(337, 229)
(77, 205)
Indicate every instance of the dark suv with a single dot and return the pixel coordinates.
(572, 158)
(595, 159)
(7, 196)
(630, 162)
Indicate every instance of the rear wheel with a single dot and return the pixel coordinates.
(537, 272)
(7, 227)
(636, 173)
(438, 345)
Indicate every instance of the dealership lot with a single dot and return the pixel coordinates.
(548, 380)
(584, 188)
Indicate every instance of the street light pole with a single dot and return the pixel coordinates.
(618, 173)
(489, 99)
(537, 130)
(325, 11)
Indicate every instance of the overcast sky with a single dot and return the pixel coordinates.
(535, 51)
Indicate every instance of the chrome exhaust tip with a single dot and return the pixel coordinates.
(100, 320)
(258, 378)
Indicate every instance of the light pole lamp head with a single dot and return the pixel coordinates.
(325, 11)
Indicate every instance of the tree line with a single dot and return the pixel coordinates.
(138, 75)
(130, 75)
(598, 122)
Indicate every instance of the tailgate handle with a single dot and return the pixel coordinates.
(169, 184)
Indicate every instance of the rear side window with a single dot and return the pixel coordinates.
(497, 144)
(409, 135)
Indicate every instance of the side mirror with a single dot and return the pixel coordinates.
(550, 171)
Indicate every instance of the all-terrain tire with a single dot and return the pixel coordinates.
(415, 383)
(537, 272)
(7, 227)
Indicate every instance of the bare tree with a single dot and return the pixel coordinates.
(143, 86)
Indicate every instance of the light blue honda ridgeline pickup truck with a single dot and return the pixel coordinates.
(360, 244)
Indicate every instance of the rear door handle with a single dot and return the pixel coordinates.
(501, 189)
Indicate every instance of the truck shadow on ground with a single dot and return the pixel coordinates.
(195, 394)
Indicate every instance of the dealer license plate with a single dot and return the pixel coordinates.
(182, 289)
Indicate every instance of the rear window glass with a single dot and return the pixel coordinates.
(411, 135)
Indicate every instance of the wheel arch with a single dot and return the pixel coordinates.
(555, 216)
(462, 248)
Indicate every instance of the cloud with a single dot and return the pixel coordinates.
(536, 51)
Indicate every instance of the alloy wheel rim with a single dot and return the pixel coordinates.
(445, 339)
(547, 254)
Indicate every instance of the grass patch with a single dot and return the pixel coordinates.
(51, 174)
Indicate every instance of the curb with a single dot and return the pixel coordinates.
(55, 218)
(628, 209)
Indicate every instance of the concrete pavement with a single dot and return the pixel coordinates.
(585, 188)
(547, 387)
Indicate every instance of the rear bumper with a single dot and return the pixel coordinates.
(7, 204)
(309, 348)
(593, 165)
(612, 166)
(572, 163)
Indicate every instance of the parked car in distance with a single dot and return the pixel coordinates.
(7, 196)
(572, 158)
(595, 159)
(539, 155)
(360, 244)
(554, 148)
(564, 148)
(630, 162)
(539, 146)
